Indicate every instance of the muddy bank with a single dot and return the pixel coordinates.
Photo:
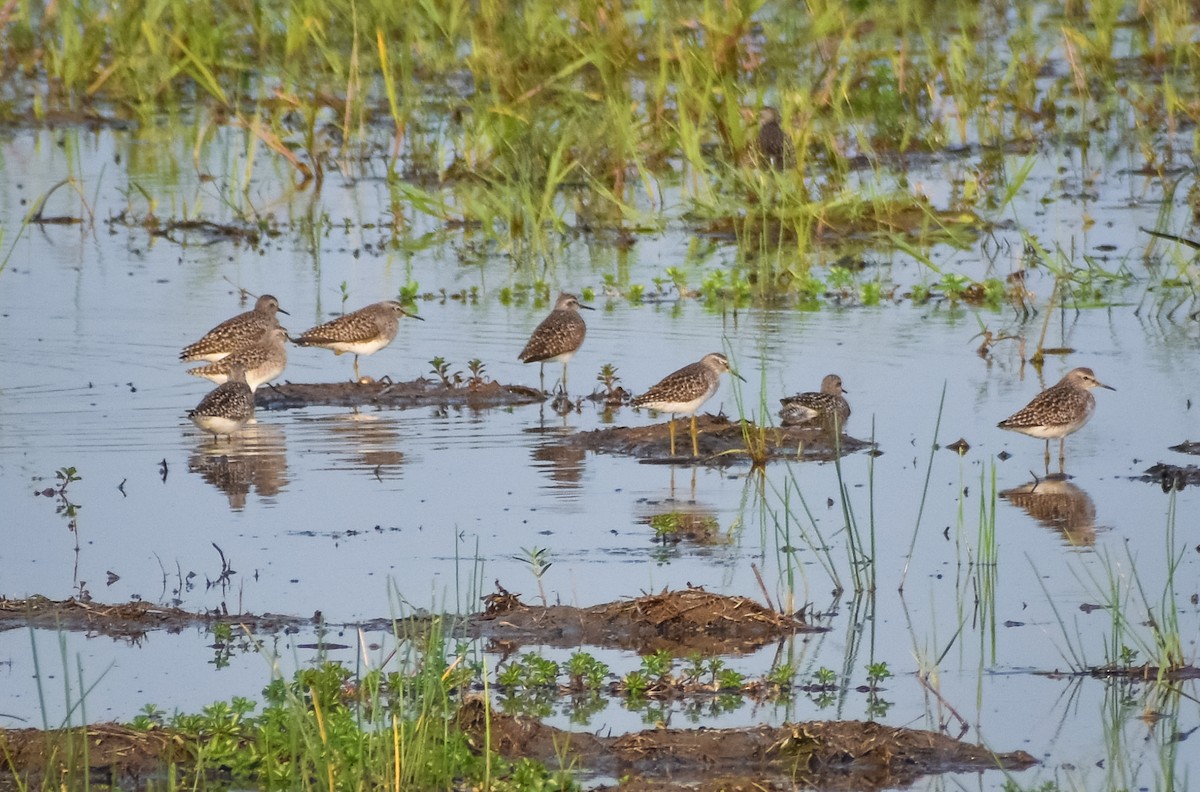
(721, 441)
(819, 754)
(682, 622)
(394, 395)
(128, 620)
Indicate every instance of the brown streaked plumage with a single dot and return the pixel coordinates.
(227, 407)
(363, 332)
(262, 362)
(828, 407)
(558, 337)
(773, 146)
(234, 334)
(1058, 411)
(683, 391)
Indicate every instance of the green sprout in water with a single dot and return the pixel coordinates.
(537, 558)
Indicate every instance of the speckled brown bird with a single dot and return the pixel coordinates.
(363, 332)
(234, 334)
(1058, 411)
(828, 407)
(558, 337)
(683, 391)
(773, 146)
(262, 361)
(227, 407)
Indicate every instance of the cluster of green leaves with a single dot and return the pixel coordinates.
(380, 730)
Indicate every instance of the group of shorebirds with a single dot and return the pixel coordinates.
(250, 349)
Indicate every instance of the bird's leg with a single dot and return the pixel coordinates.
(1062, 452)
(695, 447)
(542, 377)
(356, 368)
(671, 432)
(1047, 455)
(564, 377)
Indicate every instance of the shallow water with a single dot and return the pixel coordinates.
(373, 513)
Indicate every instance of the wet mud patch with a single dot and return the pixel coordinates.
(128, 620)
(692, 620)
(112, 753)
(1171, 477)
(394, 395)
(721, 441)
(818, 754)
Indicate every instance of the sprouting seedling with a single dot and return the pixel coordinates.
(608, 378)
(409, 292)
(538, 560)
(475, 366)
(345, 287)
(441, 370)
(877, 672)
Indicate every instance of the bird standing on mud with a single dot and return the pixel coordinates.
(683, 391)
(363, 332)
(558, 337)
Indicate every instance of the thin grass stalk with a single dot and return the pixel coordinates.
(924, 489)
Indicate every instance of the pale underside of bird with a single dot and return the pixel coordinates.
(227, 407)
(683, 392)
(262, 362)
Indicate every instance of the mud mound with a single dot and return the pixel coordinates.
(109, 751)
(686, 621)
(721, 441)
(819, 754)
(129, 620)
(394, 395)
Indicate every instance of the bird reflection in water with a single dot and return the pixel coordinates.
(254, 459)
(1058, 504)
(366, 441)
(559, 458)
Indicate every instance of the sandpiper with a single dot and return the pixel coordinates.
(773, 147)
(558, 337)
(682, 392)
(1058, 411)
(829, 407)
(262, 362)
(234, 334)
(363, 332)
(227, 407)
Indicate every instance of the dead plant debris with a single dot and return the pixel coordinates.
(692, 620)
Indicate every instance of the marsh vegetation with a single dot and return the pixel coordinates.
(949, 204)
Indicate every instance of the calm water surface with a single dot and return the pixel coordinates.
(374, 513)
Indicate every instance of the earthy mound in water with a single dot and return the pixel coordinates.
(124, 620)
(721, 441)
(686, 621)
(817, 755)
(395, 395)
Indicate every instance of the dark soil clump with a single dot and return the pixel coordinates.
(686, 621)
(818, 755)
(721, 441)
(394, 395)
